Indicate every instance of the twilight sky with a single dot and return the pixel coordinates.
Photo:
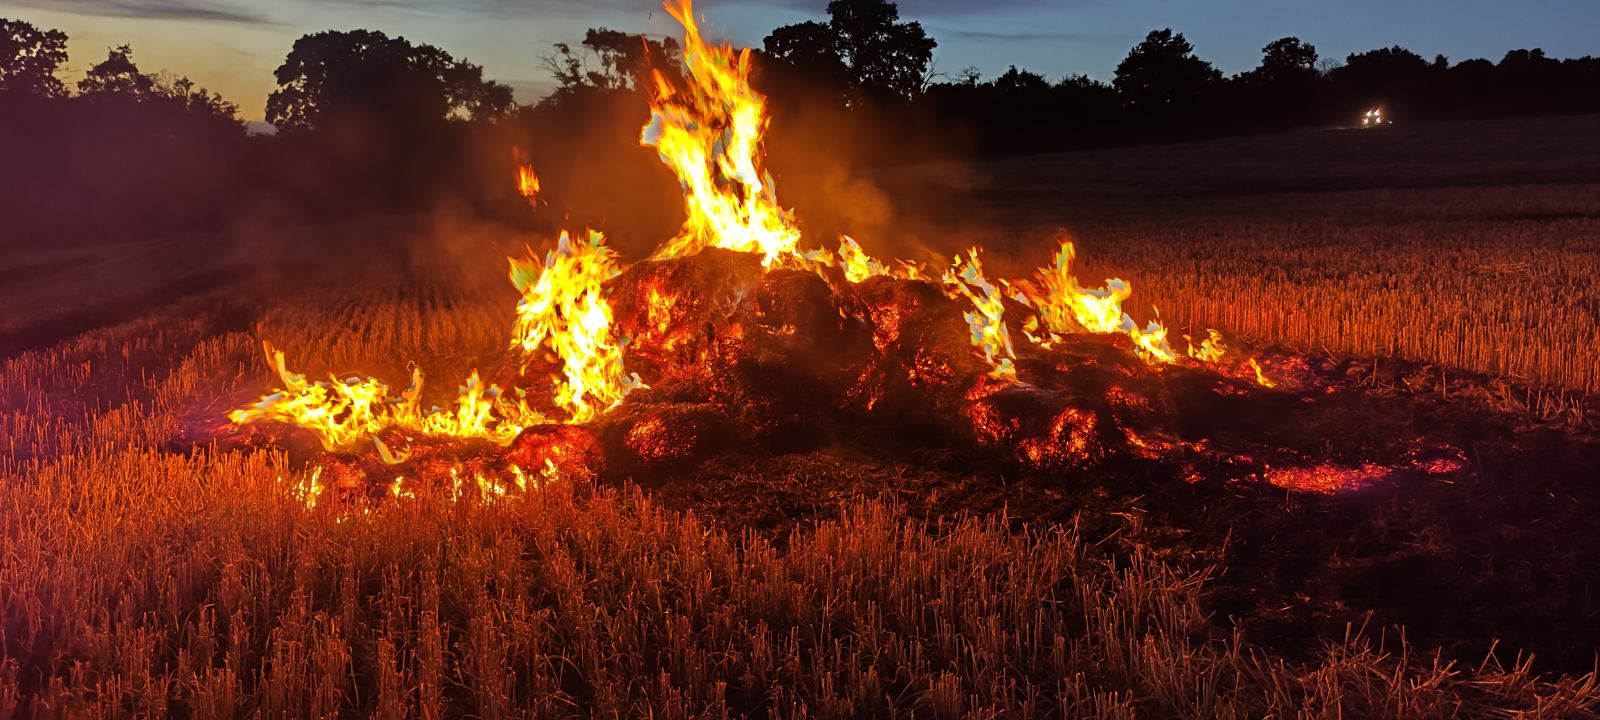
(232, 46)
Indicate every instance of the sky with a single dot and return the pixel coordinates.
(232, 46)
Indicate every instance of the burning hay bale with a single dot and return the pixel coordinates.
(733, 337)
(924, 359)
(572, 450)
(648, 437)
(676, 312)
(801, 352)
(779, 351)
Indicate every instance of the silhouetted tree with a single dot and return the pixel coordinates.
(1163, 80)
(1284, 90)
(117, 74)
(865, 42)
(969, 76)
(119, 77)
(381, 79)
(133, 156)
(29, 58)
(1394, 78)
(1576, 89)
(1288, 60)
(810, 50)
(1529, 80)
(1021, 82)
(624, 62)
(1089, 99)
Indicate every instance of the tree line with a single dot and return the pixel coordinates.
(367, 120)
(865, 56)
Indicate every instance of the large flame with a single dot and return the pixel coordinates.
(1066, 306)
(342, 412)
(709, 133)
(708, 129)
(564, 309)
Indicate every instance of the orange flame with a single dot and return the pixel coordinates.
(343, 412)
(856, 263)
(528, 184)
(987, 320)
(527, 180)
(564, 308)
(710, 135)
(1065, 306)
(1210, 350)
(1261, 377)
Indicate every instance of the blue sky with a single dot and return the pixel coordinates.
(233, 45)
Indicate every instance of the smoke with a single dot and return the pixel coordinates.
(888, 176)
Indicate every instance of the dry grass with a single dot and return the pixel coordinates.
(1470, 245)
(1510, 297)
(140, 575)
(141, 580)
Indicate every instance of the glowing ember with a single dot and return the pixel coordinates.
(1327, 479)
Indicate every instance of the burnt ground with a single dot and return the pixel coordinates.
(1501, 553)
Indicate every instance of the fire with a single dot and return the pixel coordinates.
(1065, 306)
(527, 181)
(528, 184)
(856, 263)
(708, 129)
(342, 412)
(1261, 377)
(339, 412)
(564, 310)
(478, 413)
(987, 320)
(710, 134)
(1210, 350)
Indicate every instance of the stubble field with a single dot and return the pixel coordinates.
(158, 562)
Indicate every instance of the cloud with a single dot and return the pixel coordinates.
(1007, 37)
(909, 9)
(915, 9)
(154, 9)
(945, 8)
(509, 6)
